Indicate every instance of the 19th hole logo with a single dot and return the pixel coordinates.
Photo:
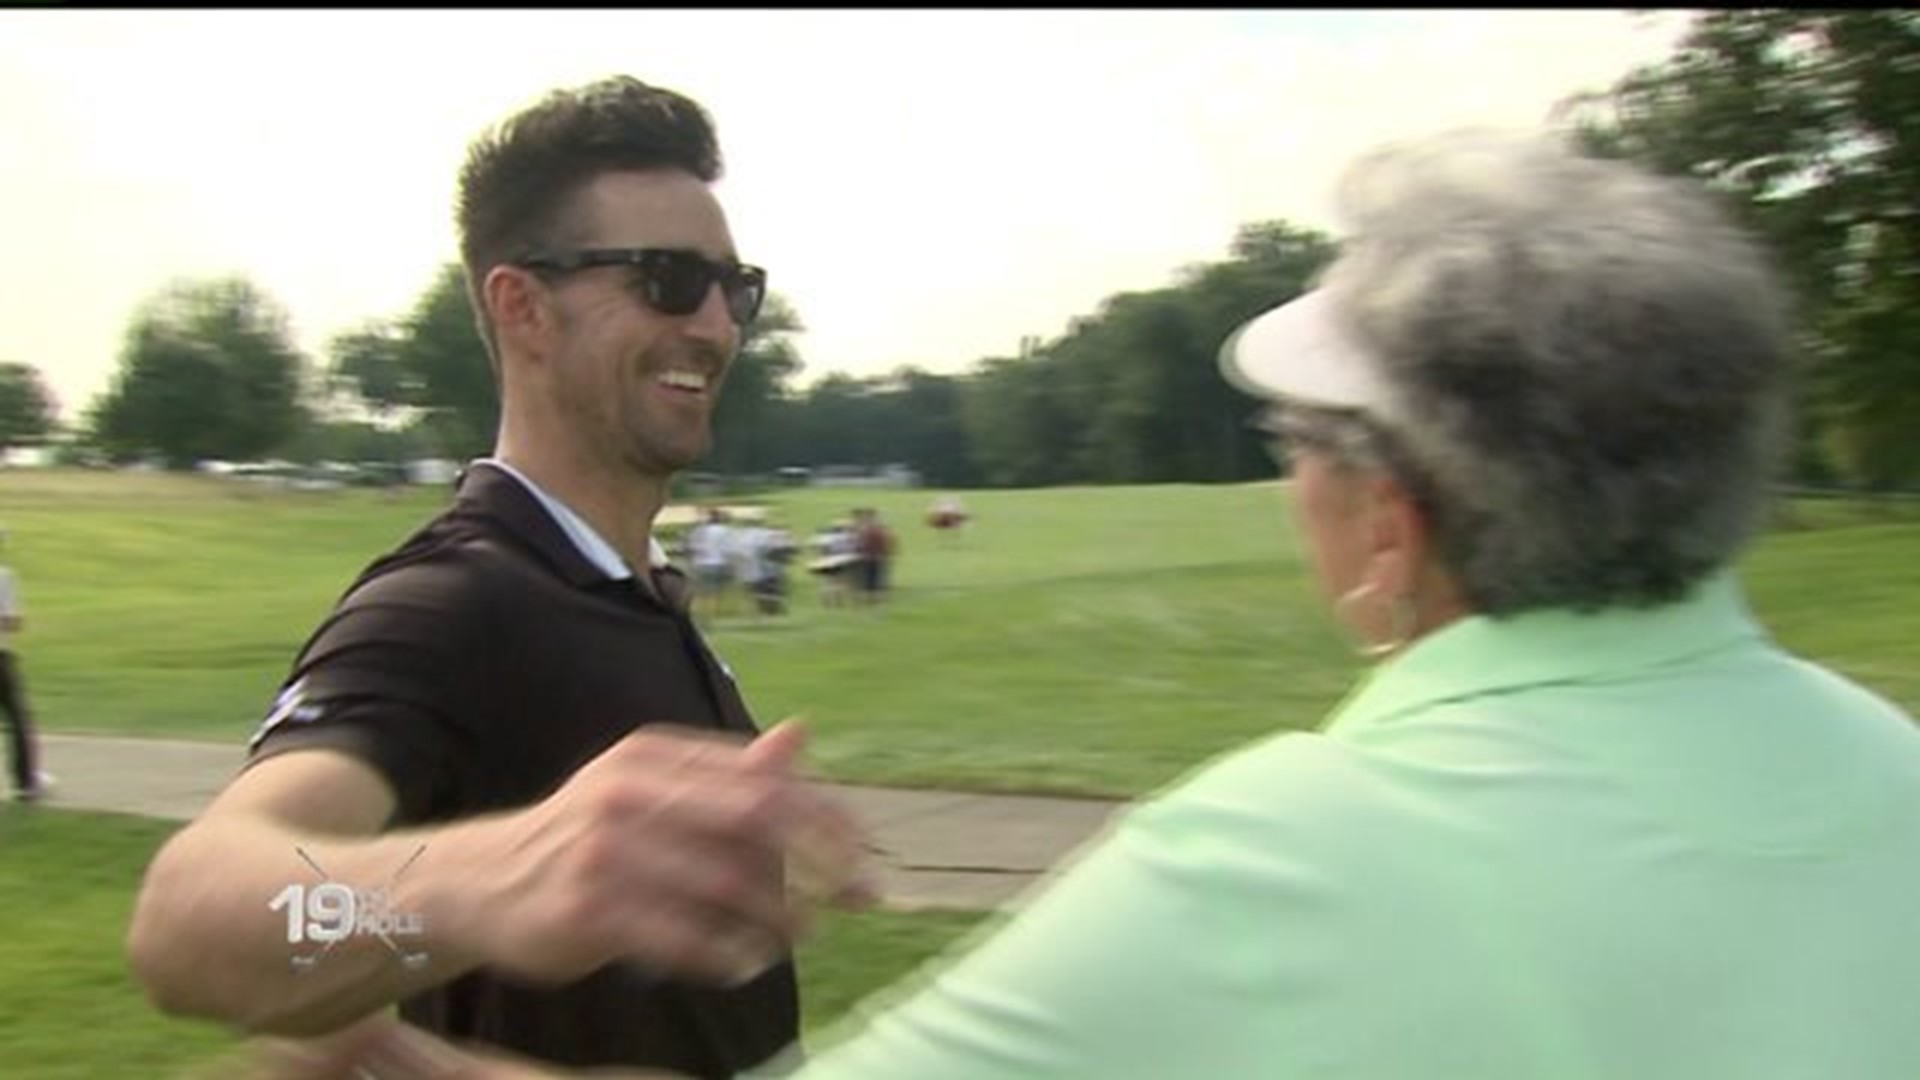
(331, 912)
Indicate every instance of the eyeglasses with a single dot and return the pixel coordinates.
(671, 281)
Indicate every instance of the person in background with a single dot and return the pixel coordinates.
(948, 516)
(710, 546)
(30, 782)
(1583, 817)
(834, 562)
(874, 543)
(762, 551)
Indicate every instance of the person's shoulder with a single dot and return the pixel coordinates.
(1845, 693)
(451, 562)
(435, 595)
(1296, 822)
(1288, 791)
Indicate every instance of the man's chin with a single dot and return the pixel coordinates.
(668, 460)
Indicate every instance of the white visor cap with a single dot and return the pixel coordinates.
(1298, 351)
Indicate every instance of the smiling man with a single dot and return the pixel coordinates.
(477, 735)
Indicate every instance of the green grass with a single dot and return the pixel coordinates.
(69, 1009)
(1082, 641)
(1848, 597)
(68, 1006)
(1079, 640)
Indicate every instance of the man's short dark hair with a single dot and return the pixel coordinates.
(520, 177)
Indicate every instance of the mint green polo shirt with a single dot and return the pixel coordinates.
(1630, 845)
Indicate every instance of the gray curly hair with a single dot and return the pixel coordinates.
(1588, 365)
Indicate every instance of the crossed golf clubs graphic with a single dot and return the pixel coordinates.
(411, 960)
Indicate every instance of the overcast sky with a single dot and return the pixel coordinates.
(925, 187)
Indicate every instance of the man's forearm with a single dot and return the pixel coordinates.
(666, 850)
(246, 920)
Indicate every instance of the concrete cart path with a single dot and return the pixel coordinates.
(944, 849)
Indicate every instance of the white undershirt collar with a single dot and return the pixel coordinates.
(586, 540)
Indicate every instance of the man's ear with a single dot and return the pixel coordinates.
(518, 308)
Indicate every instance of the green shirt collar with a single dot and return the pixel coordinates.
(1480, 655)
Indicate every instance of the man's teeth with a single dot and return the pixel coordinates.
(684, 380)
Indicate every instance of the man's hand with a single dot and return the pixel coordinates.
(677, 849)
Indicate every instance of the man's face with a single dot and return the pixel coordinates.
(637, 384)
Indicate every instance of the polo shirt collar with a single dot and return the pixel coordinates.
(1479, 655)
(587, 542)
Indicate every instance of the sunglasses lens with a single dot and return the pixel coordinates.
(746, 287)
(677, 281)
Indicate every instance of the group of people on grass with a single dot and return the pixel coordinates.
(735, 552)
(852, 559)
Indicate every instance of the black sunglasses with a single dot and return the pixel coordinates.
(671, 281)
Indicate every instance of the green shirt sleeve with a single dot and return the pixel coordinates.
(1139, 961)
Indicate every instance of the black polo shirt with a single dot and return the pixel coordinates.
(477, 666)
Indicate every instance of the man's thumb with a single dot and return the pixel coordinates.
(779, 749)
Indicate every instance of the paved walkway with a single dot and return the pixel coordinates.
(946, 849)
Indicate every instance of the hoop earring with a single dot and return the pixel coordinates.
(1400, 619)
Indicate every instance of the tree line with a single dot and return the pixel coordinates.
(1130, 393)
(1807, 122)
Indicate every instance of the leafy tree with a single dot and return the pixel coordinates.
(1020, 422)
(833, 423)
(27, 410)
(444, 369)
(751, 416)
(1809, 121)
(1133, 393)
(369, 362)
(909, 416)
(209, 370)
(926, 417)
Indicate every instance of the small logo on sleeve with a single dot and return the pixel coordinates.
(290, 707)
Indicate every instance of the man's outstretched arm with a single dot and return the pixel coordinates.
(671, 849)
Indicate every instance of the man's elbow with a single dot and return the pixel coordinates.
(167, 962)
(188, 962)
(154, 968)
(153, 950)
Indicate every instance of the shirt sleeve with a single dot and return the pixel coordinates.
(397, 677)
(1142, 960)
